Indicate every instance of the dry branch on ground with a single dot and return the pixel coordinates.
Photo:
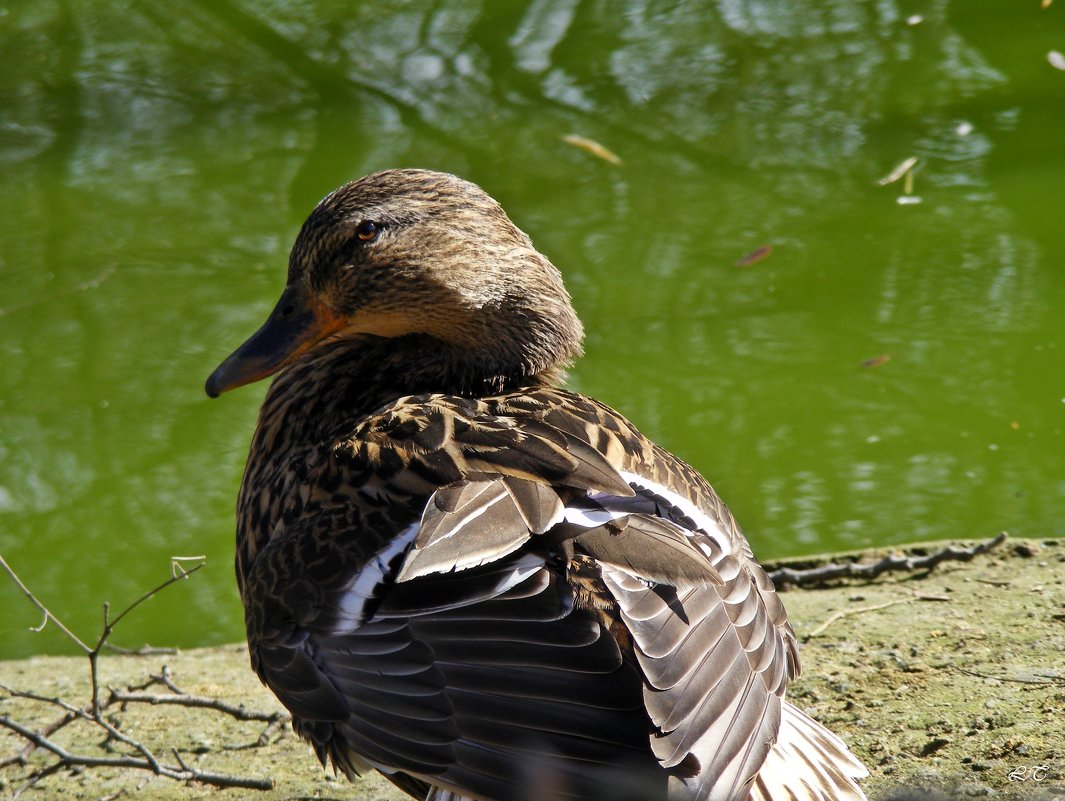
(102, 714)
(965, 694)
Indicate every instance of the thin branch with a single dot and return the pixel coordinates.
(893, 562)
(177, 573)
(73, 713)
(114, 732)
(94, 711)
(195, 701)
(1037, 682)
(272, 728)
(175, 577)
(184, 773)
(166, 678)
(863, 609)
(857, 611)
(994, 583)
(45, 699)
(47, 614)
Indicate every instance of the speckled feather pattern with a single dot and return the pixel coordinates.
(483, 585)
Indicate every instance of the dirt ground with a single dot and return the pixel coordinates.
(950, 679)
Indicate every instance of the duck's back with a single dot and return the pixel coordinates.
(520, 596)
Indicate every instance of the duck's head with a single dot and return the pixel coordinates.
(414, 253)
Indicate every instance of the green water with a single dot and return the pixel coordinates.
(156, 161)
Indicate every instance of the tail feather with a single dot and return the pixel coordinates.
(808, 763)
(440, 794)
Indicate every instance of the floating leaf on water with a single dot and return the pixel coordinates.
(1045, 4)
(591, 146)
(876, 361)
(755, 256)
(899, 171)
(1015, 425)
(1056, 59)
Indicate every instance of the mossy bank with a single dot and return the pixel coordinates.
(952, 678)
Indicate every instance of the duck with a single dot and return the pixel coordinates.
(482, 585)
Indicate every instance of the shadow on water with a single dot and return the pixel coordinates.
(157, 160)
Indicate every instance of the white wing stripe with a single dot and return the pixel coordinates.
(590, 518)
(707, 524)
(477, 512)
(362, 585)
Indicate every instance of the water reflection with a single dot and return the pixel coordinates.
(158, 159)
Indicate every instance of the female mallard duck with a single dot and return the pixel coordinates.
(482, 585)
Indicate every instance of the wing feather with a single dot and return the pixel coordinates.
(653, 549)
(538, 590)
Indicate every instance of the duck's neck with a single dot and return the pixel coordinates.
(328, 391)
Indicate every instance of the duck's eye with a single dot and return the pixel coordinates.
(367, 230)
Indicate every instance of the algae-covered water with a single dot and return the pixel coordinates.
(850, 363)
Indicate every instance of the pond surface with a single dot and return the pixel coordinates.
(889, 370)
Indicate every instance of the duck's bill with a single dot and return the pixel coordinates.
(296, 323)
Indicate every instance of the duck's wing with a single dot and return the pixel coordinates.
(568, 588)
(489, 682)
(709, 634)
(716, 657)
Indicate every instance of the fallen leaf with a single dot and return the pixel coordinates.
(591, 146)
(755, 256)
(876, 361)
(899, 171)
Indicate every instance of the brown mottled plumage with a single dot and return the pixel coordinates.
(482, 585)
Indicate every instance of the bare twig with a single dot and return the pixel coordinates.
(863, 609)
(85, 713)
(893, 562)
(994, 583)
(184, 773)
(144, 758)
(195, 701)
(177, 574)
(44, 609)
(272, 728)
(1038, 682)
(166, 678)
(136, 694)
(31, 696)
